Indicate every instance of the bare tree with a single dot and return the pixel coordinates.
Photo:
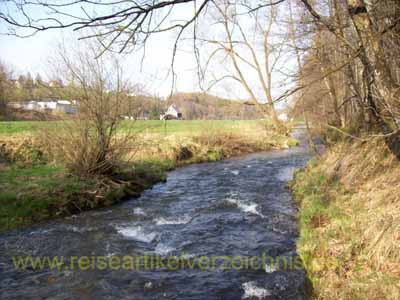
(94, 141)
(251, 47)
(368, 79)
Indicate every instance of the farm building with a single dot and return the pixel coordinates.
(61, 106)
(172, 113)
(66, 107)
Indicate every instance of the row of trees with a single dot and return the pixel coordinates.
(349, 74)
(27, 88)
(205, 106)
(343, 60)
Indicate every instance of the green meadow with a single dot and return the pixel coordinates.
(139, 126)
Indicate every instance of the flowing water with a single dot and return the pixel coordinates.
(239, 209)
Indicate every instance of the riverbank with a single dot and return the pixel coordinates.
(33, 189)
(349, 214)
(220, 220)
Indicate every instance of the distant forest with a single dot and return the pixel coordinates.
(195, 106)
(191, 105)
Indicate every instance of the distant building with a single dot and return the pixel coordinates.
(283, 117)
(30, 105)
(172, 113)
(66, 107)
(44, 105)
(62, 106)
(55, 83)
(140, 116)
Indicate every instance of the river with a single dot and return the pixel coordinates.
(239, 209)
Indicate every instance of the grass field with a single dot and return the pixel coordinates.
(8, 128)
(140, 126)
(37, 197)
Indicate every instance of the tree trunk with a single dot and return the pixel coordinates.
(373, 72)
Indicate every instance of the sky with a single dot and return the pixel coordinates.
(27, 54)
(32, 54)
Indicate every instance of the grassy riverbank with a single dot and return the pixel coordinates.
(34, 188)
(349, 212)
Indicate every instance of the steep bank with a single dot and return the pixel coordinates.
(349, 212)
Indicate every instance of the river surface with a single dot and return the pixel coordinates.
(239, 209)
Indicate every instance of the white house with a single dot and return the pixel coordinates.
(63, 106)
(43, 105)
(66, 107)
(283, 117)
(29, 105)
(172, 113)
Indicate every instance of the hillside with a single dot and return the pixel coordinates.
(204, 106)
(194, 106)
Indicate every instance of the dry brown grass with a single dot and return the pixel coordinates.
(86, 150)
(21, 150)
(206, 146)
(356, 255)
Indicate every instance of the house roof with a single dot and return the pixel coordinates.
(174, 107)
(63, 102)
